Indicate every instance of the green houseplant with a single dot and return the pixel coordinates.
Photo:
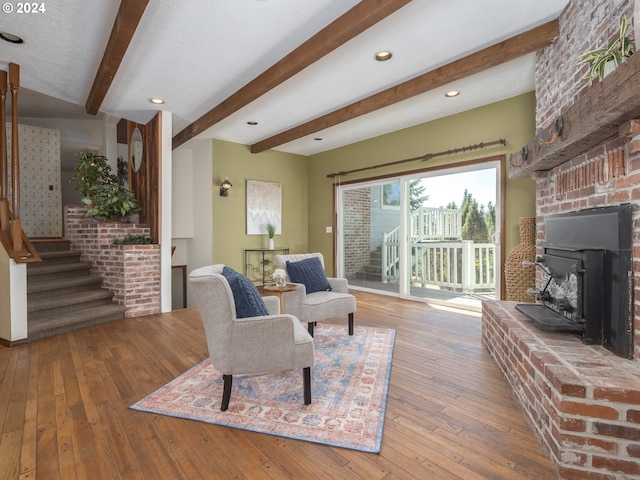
(107, 198)
(134, 240)
(616, 51)
(271, 231)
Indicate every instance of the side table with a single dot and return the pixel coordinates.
(259, 263)
(272, 290)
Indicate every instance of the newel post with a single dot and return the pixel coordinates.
(16, 225)
(4, 204)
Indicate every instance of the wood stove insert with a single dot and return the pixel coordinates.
(587, 279)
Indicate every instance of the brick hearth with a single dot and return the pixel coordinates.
(581, 400)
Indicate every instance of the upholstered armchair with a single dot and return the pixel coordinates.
(318, 297)
(255, 344)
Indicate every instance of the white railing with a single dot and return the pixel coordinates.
(436, 224)
(428, 224)
(463, 265)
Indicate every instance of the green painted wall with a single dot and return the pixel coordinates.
(512, 119)
(236, 162)
(308, 193)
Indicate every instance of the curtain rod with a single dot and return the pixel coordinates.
(425, 157)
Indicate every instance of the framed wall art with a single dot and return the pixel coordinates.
(264, 205)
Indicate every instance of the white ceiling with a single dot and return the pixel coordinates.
(196, 53)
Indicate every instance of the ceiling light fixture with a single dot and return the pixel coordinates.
(156, 101)
(383, 56)
(10, 37)
(452, 93)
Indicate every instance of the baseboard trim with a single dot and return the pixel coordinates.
(8, 343)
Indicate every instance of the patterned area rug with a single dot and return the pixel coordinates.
(349, 383)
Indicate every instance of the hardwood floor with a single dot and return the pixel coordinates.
(64, 408)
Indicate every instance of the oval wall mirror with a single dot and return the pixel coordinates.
(135, 149)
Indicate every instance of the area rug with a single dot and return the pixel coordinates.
(349, 383)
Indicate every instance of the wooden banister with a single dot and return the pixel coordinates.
(4, 204)
(12, 238)
(14, 85)
(3, 136)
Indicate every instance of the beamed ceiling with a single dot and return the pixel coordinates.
(303, 71)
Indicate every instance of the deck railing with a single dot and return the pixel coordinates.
(461, 266)
(428, 223)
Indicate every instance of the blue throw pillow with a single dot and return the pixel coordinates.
(248, 301)
(310, 273)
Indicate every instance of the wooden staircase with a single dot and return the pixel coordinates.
(62, 295)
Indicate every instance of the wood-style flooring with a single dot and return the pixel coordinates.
(64, 408)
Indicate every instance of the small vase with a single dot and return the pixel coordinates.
(271, 246)
(281, 282)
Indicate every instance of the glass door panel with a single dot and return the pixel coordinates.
(451, 223)
(369, 219)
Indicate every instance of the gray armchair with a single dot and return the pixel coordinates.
(320, 305)
(252, 345)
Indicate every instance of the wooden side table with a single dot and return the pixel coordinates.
(272, 290)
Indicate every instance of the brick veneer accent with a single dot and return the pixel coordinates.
(131, 272)
(357, 223)
(582, 401)
(583, 26)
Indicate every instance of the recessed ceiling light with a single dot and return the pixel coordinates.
(383, 56)
(10, 37)
(157, 101)
(252, 122)
(452, 93)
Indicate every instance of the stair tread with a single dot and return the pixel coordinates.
(44, 269)
(36, 285)
(43, 327)
(54, 254)
(68, 299)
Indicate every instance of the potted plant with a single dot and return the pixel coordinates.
(616, 51)
(101, 190)
(271, 231)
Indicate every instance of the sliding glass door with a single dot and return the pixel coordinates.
(433, 235)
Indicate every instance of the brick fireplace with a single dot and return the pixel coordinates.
(582, 401)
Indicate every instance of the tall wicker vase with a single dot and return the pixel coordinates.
(519, 279)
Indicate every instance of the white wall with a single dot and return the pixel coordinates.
(166, 195)
(192, 203)
(13, 298)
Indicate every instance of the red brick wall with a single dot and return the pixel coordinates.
(357, 226)
(584, 26)
(131, 272)
(582, 401)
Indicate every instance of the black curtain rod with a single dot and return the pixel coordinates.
(425, 157)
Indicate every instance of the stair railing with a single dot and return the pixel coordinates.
(12, 238)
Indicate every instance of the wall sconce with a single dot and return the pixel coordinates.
(224, 188)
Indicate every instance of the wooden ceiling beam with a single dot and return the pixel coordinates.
(126, 22)
(364, 15)
(489, 57)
